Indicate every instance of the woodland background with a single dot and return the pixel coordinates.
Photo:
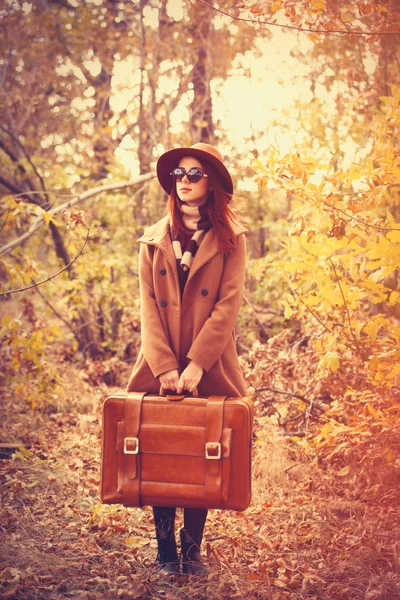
(91, 93)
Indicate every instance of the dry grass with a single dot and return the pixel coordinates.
(278, 463)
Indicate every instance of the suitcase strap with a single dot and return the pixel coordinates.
(131, 470)
(213, 453)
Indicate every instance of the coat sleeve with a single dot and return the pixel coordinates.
(155, 346)
(213, 337)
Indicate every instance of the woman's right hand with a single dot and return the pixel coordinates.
(169, 380)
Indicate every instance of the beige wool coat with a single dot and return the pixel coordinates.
(198, 327)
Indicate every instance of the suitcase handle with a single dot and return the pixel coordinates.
(175, 397)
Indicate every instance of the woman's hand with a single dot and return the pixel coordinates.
(169, 380)
(190, 378)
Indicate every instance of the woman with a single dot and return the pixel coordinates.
(191, 274)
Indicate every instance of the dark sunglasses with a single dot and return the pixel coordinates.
(194, 175)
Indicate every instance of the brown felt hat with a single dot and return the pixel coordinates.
(204, 152)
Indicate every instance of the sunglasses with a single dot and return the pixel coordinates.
(194, 175)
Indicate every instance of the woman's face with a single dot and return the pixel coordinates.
(193, 194)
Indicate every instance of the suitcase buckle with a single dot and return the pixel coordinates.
(131, 440)
(213, 450)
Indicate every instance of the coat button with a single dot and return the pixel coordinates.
(209, 260)
(163, 303)
(204, 292)
(163, 271)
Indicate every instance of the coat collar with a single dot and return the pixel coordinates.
(158, 235)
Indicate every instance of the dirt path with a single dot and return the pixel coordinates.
(302, 538)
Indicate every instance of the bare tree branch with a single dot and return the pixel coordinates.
(9, 152)
(6, 249)
(27, 195)
(36, 284)
(297, 28)
(23, 150)
(9, 185)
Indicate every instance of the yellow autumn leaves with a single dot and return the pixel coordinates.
(342, 257)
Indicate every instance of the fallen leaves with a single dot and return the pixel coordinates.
(298, 540)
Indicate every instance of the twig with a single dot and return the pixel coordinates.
(290, 468)
(278, 413)
(36, 284)
(297, 28)
(6, 219)
(345, 305)
(341, 210)
(94, 320)
(89, 194)
(309, 309)
(53, 309)
(300, 340)
(297, 543)
(265, 332)
(269, 389)
(41, 193)
(339, 16)
(359, 220)
(132, 272)
(308, 414)
(296, 418)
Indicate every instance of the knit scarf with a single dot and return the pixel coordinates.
(195, 218)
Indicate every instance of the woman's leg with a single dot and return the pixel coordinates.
(191, 536)
(167, 556)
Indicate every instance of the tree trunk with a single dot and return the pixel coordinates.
(201, 122)
(145, 145)
(103, 145)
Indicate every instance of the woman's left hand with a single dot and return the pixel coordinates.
(190, 378)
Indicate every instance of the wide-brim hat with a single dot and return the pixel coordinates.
(204, 152)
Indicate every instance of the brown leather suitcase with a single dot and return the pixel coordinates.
(176, 451)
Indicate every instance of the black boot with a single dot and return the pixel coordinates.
(167, 555)
(190, 554)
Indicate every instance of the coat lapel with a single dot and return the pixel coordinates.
(209, 248)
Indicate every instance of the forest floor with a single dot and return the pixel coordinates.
(307, 535)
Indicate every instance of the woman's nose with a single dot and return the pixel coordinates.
(185, 177)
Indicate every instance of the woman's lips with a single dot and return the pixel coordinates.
(185, 190)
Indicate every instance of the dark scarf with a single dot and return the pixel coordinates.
(195, 219)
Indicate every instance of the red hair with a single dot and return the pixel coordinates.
(219, 213)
